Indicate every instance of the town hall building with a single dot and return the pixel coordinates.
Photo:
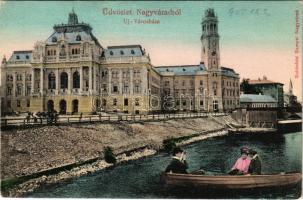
(71, 72)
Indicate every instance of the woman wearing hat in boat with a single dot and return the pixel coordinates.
(255, 163)
(178, 163)
(242, 164)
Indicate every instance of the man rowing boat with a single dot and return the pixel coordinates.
(178, 163)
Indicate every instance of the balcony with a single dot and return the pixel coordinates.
(65, 58)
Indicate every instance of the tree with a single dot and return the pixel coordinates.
(247, 88)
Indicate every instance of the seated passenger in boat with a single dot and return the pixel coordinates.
(178, 163)
(242, 164)
(255, 163)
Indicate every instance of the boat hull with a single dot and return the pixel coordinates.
(232, 182)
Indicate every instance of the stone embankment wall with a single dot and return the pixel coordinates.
(28, 151)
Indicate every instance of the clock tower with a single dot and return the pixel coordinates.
(210, 54)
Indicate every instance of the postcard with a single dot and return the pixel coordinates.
(151, 99)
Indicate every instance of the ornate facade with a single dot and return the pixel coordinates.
(71, 72)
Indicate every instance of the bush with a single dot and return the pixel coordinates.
(109, 155)
(168, 145)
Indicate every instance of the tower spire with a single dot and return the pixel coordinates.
(210, 54)
(290, 87)
(72, 18)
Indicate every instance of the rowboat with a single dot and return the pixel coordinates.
(232, 182)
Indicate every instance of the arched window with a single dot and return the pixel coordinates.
(111, 53)
(132, 51)
(64, 80)
(54, 39)
(122, 52)
(78, 38)
(76, 80)
(51, 81)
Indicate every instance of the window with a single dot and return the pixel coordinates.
(27, 56)
(9, 91)
(28, 89)
(9, 104)
(215, 92)
(76, 79)
(137, 88)
(111, 53)
(17, 57)
(18, 103)
(104, 88)
(201, 102)
(78, 38)
(19, 89)
(104, 102)
(136, 73)
(115, 89)
(166, 83)
(51, 81)
(125, 102)
(125, 89)
(54, 39)
(201, 82)
(122, 52)
(75, 51)
(115, 74)
(132, 51)
(184, 102)
(64, 80)
(28, 103)
(183, 83)
(115, 102)
(137, 102)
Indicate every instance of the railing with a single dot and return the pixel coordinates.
(19, 62)
(30, 121)
(129, 59)
(73, 57)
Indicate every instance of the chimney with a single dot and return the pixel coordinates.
(4, 59)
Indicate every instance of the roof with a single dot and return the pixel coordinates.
(229, 72)
(262, 82)
(70, 37)
(181, 69)
(71, 30)
(24, 55)
(124, 51)
(256, 98)
(125, 46)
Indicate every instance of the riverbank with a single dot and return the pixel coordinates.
(26, 152)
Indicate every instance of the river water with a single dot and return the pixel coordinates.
(140, 179)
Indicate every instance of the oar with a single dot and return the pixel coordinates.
(202, 171)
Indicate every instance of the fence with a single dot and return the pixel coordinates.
(20, 122)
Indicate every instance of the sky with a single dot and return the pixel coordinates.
(256, 38)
